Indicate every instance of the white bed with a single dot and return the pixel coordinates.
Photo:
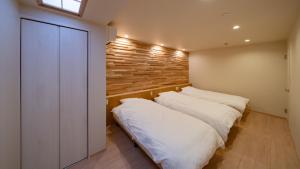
(236, 102)
(219, 116)
(172, 139)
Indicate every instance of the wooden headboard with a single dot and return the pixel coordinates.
(150, 94)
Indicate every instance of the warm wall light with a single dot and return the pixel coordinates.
(236, 27)
(247, 40)
(122, 40)
(179, 53)
(126, 36)
(156, 49)
(162, 44)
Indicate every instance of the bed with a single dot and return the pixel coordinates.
(156, 129)
(237, 102)
(219, 116)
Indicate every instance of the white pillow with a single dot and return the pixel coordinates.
(134, 100)
(187, 88)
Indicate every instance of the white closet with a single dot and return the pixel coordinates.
(53, 95)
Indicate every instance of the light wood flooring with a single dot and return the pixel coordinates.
(259, 142)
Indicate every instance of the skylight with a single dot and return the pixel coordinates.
(70, 6)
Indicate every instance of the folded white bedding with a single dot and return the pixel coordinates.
(236, 102)
(219, 116)
(173, 139)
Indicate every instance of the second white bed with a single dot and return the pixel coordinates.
(219, 116)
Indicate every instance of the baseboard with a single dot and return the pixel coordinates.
(269, 114)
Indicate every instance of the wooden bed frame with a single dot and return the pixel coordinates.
(114, 100)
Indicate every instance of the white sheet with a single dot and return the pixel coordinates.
(236, 102)
(219, 116)
(173, 139)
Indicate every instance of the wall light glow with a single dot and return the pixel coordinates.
(179, 53)
(156, 49)
(122, 40)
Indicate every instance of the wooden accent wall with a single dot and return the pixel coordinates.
(133, 66)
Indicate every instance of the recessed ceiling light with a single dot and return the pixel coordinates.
(126, 36)
(236, 27)
(247, 40)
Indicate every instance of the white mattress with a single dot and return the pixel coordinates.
(236, 102)
(219, 116)
(172, 139)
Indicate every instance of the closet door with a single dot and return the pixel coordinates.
(73, 96)
(39, 95)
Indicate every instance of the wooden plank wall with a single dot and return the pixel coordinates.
(133, 66)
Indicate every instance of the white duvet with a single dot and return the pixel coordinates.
(173, 140)
(236, 102)
(219, 116)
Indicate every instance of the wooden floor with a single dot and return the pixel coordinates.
(260, 142)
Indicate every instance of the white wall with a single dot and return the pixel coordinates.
(294, 84)
(9, 85)
(97, 70)
(256, 71)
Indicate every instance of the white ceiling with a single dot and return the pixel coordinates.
(196, 24)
